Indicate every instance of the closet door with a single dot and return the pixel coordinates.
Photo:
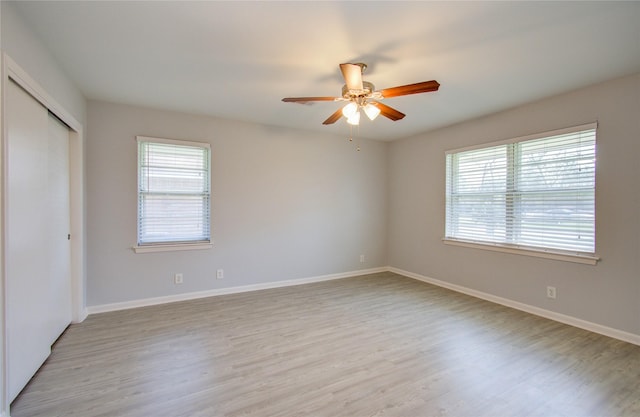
(58, 227)
(32, 250)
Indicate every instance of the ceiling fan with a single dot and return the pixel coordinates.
(363, 95)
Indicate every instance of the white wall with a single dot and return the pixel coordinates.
(608, 293)
(25, 48)
(286, 205)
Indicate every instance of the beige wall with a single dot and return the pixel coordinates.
(607, 294)
(286, 205)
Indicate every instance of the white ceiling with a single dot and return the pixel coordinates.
(237, 60)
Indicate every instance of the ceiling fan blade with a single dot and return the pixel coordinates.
(304, 100)
(388, 112)
(352, 74)
(404, 90)
(333, 118)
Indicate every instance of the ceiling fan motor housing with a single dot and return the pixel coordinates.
(367, 89)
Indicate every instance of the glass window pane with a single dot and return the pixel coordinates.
(536, 193)
(174, 193)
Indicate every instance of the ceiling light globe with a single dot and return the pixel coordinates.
(354, 119)
(371, 111)
(350, 109)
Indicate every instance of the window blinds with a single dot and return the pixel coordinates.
(537, 193)
(173, 192)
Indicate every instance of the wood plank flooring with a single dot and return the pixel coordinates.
(375, 345)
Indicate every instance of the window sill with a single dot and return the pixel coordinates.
(172, 248)
(538, 253)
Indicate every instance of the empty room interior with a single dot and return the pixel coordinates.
(343, 208)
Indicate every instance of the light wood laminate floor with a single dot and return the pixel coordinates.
(376, 345)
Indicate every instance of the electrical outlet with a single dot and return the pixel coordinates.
(551, 292)
(178, 279)
(220, 273)
(361, 259)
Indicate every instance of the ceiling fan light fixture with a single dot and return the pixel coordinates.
(371, 111)
(354, 119)
(362, 94)
(350, 109)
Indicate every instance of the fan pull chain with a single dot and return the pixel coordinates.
(357, 136)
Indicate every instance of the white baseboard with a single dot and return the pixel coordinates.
(79, 319)
(229, 290)
(562, 318)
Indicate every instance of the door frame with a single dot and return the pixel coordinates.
(11, 70)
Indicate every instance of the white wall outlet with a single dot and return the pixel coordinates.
(220, 273)
(178, 279)
(551, 292)
(361, 259)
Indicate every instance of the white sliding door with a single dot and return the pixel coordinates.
(27, 333)
(59, 225)
(38, 291)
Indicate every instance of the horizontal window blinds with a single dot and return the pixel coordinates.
(535, 194)
(173, 192)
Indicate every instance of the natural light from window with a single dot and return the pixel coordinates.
(534, 193)
(173, 192)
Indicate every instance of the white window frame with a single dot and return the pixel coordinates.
(513, 247)
(170, 244)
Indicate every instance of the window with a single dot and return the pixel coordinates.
(535, 193)
(173, 192)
